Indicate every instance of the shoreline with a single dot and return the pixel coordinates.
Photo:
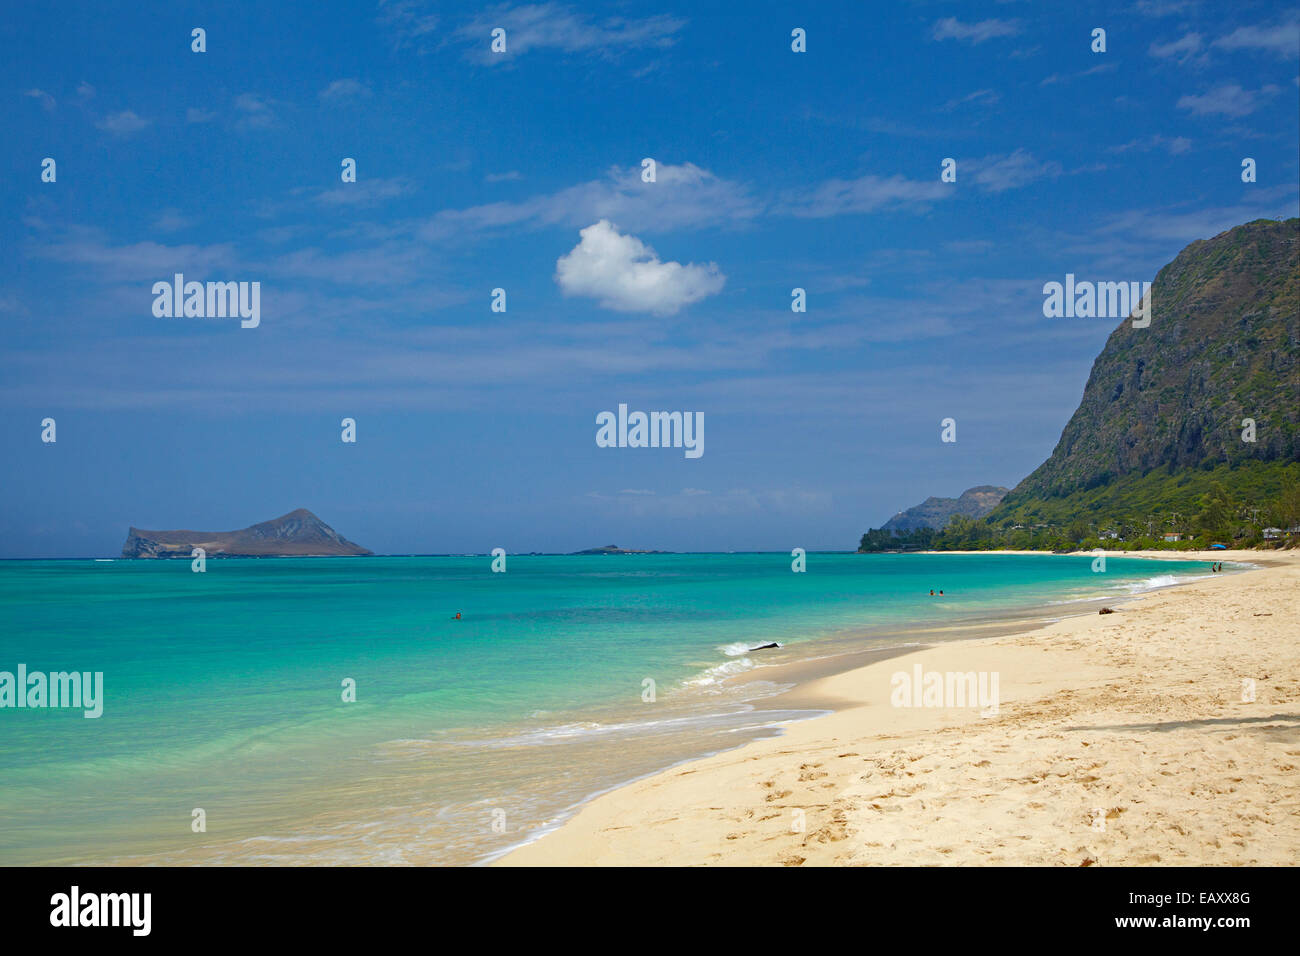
(667, 818)
(797, 673)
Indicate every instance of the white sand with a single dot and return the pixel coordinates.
(1120, 739)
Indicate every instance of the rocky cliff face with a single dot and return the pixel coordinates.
(297, 534)
(1222, 346)
(935, 512)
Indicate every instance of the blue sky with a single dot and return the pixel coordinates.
(775, 170)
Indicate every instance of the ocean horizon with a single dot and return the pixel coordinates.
(486, 705)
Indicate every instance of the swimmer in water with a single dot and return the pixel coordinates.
(931, 592)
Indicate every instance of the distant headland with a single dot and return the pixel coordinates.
(299, 534)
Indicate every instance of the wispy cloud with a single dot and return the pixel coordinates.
(1189, 48)
(45, 99)
(171, 220)
(134, 261)
(1163, 8)
(978, 98)
(408, 22)
(388, 264)
(557, 26)
(1280, 39)
(365, 192)
(1091, 71)
(344, 91)
(1175, 145)
(124, 123)
(254, 112)
(836, 197)
(682, 196)
(1229, 99)
(950, 28)
(1175, 227)
(997, 174)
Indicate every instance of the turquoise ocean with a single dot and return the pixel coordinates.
(223, 690)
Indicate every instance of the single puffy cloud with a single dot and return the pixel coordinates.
(624, 274)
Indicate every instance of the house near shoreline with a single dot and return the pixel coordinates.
(1174, 536)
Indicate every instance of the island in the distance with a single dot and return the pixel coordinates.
(299, 534)
(615, 549)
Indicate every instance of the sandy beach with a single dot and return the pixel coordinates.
(1167, 732)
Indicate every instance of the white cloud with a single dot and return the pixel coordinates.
(366, 192)
(996, 174)
(950, 28)
(123, 124)
(1175, 145)
(137, 261)
(1281, 38)
(560, 27)
(1059, 78)
(40, 96)
(1162, 8)
(865, 194)
(407, 21)
(1227, 100)
(256, 112)
(623, 273)
(343, 91)
(1185, 49)
(171, 220)
(979, 98)
(193, 115)
(684, 196)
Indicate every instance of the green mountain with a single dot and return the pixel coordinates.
(1160, 442)
(1221, 348)
(935, 512)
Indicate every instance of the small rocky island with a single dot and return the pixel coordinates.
(299, 534)
(615, 549)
